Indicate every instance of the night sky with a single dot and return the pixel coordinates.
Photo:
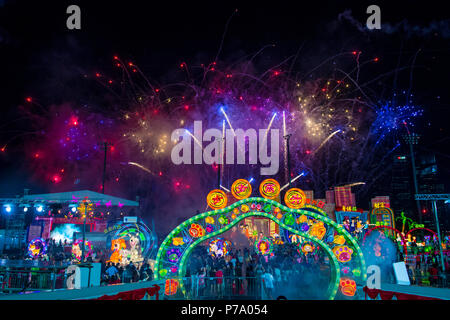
(40, 58)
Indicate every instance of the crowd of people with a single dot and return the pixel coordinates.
(116, 273)
(427, 270)
(245, 272)
(242, 271)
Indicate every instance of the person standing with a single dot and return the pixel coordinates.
(220, 283)
(268, 284)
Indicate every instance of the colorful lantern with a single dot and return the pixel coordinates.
(173, 255)
(217, 199)
(343, 253)
(318, 230)
(219, 247)
(37, 247)
(223, 219)
(289, 219)
(209, 220)
(77, 250)
(196, 231)
(338, 239)
(163, 272)
(241, 189)
(295, 198)
(269, 189)
(171, 287)
(348, 287)
(264, 246)
(307, 247)
(177, 241)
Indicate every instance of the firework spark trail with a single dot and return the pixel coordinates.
(354, 184)
(268, 129)
(141, 167)
(195, 139)
(287, 184)
(326, 140)
(315, 106)
(228, 120)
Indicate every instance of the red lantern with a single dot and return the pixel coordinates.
(171, 287)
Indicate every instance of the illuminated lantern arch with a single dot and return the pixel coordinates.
(273, 210)
(405, 247)
(426, 229)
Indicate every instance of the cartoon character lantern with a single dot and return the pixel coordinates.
(117, 245)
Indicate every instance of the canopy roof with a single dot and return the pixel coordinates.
(79, 196)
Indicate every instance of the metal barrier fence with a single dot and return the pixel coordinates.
(18, 280)
(198, 288)
(439, 281)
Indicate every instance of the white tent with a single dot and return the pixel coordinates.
(79, 196)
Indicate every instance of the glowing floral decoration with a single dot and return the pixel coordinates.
(318, 230)
(37, 247)
(343, 253)
(173, 255)
(348, 287)
(196, 231)
(223, 219)
(346, 270)
(177, 241)
(338, 239)
(209, 220)
(219, 247)
(289, 219)
(163, 272)
(264, 246)
(307, 247)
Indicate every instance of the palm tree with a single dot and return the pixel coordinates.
(404, 219)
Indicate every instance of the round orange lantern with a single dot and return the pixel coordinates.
(241, 189)
(269, 189)
(295, 198)
(217, 199)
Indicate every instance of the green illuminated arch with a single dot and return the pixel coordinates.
(166, 267)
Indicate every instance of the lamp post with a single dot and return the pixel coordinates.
(105, 148)
(434, 198)
(412, 139)
(84, 235)
(439, 235)
(287, 137)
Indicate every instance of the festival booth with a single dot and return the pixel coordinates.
(65, 219)
(353, 219)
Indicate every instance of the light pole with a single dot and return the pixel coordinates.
(439, 235)
(287, 137)
(105, 148)
(411, 139)
(434, 198)
(84, 235)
